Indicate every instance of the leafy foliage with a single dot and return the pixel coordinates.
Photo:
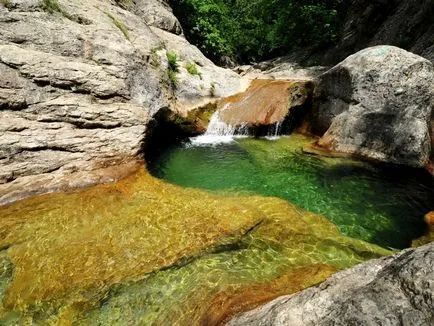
(248, 30)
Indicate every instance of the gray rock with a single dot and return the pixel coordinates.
(396, 290)
(377, 104)
(157, 13)
(80, 84)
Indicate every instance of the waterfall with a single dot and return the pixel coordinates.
(218, 127)
(219, 131)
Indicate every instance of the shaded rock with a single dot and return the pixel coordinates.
(429, 236)
(80, 84)
(377, 104)
(266, 103)
(157, 13)
(396, 290)
(408, 24)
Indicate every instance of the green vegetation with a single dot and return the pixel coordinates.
(52, 6)
(122, 27)
(192, 69)
(155, 58)
(249, 30)
(172, 67)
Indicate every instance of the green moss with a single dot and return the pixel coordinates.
(120, 25)
(192, 69)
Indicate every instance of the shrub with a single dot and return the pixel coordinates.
(192, 69)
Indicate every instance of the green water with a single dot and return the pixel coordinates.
(379, 204)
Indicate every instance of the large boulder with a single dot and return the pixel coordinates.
(81, 79)
(396, 290)
(377, 104)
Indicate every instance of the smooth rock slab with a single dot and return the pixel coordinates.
(377, 104)
(397, 290)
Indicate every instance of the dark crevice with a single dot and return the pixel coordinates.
(83, 124)
(49, 148)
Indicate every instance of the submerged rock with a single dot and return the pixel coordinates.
(377, 104)
(396, 290)
(142, 251)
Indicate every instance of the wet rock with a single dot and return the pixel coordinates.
(377, 104)
(396, 290)
(429, 236)
(266, 103)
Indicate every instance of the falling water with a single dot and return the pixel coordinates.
(219, 131)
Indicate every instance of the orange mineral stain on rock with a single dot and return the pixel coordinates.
(265, 102)
(227, 304)
(429, 236)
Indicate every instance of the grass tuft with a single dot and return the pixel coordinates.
(172, 67)
(192, 69)
(52, 6)
(120, 25)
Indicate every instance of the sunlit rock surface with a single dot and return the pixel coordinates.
(266, 103)
(396, 290)
(143, 251)
(80, 81)
(377, 104)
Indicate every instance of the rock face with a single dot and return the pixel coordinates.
(80, 82)
(405, 23)
(266, 103)
(396, 290)
(377, 104)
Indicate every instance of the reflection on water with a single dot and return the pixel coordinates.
(383, 205)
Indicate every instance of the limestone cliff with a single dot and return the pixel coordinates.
(80, 81)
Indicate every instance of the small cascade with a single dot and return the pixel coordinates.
(268, 108)
(274, 131)
(219, 131)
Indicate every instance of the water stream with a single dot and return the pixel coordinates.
(380, 204)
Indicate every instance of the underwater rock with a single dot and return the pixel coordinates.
(377, 104)
(142, 251)
(396, 290)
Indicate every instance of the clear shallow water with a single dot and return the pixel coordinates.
(382, 205)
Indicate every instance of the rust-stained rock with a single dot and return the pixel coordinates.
(266, 102)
